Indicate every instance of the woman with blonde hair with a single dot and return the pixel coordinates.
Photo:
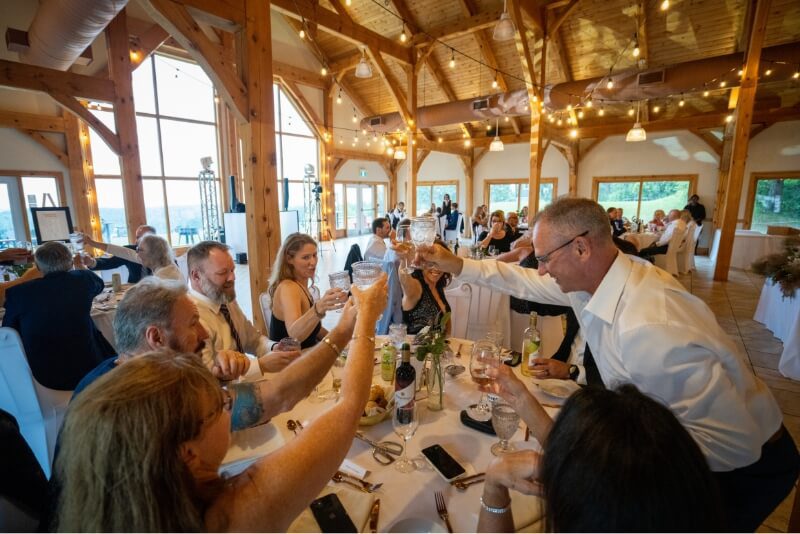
(142, 446)
(297, 309)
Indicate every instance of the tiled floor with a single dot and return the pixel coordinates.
(734, 302)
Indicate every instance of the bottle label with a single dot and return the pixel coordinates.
(405, 414)
(404, 396)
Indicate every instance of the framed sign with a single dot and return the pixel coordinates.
(51, 224)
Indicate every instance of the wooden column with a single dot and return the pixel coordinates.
(411, 150)
(81, 176)
(327, 174)
(573, 159)
(260, 191)
(468, 166)
(119, 70)
(722, 175)
(741, 139)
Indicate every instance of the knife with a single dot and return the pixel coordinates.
(373, 516)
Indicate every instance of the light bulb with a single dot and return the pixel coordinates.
(636, 50)
(348, 2)
(589, 103)
(706, 93)
(468, 143)
(216, 99)
(488, 127)
(796, 75)
(601, 112)
(339, 99)
(403, 36)
(552, 119)
(506, 119)
(559, 122)
(723, 83)
(440, 139)
(665, 5)
(729, 118)
(656, 108)
(573, 133)
(630, 112)
(681, 103)
(740, 72)
(323, 71)
(302, 33)
(580, 114)
(610, 84)
(494, 83)
(768, 72)
(452, 63)
(355, 120)
(569, 107)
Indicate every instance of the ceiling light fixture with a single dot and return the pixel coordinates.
(637, 133)
(363, 69)
(497, 144)
(504, 30)
(399, 154)
(452, 58)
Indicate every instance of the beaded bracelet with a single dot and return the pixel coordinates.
(493, 510)
(333, 346)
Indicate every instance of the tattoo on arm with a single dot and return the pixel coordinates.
(247, 407)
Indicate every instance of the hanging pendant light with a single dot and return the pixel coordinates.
(636, 133)
(363, 70)
(399, 154)
(504, 30)
(497, 144)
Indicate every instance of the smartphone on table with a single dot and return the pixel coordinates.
(331, 515)
(443, 462)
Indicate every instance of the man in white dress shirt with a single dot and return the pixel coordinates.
(212, 275)
(643, 327)
(376, 247)
(675, 224)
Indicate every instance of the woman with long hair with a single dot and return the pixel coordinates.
(447, 205)
(142, 446)
(423, 295)
(295, 310)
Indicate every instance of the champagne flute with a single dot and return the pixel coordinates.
(403, 239)
(505, 422)
(485, 354)
(405, 420)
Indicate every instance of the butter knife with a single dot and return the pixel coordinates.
(373, 516)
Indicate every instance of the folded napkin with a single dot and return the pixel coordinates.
(357, 504)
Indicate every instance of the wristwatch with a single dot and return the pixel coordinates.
(574, 371)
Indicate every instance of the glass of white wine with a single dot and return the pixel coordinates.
(485, 354)
(423, 232)
(403, 243)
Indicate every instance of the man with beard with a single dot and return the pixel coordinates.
(212, 276)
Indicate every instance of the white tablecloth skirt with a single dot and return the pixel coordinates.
(748, 246)
(642, 240)
(782, 315)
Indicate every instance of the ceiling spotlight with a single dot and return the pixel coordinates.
(363, 69)
(504, 30)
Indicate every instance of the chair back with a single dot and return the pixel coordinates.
(266, 310)
(38, 410)
(467, 227)
(669, 261)
(353, 256)
(459, 298)
(442, 225)
(686, 253)
(453, 235)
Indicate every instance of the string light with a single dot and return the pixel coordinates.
(631, 111)
(729, 118)
(324, 70)
(494, 82)
(403, 36)
(768, 71)
(601, 111)
(796, 74)
(302, 33)
(216, 99)
(580, 114)
(559, 122)
(452, 58)
(589, 103)
(339, 96)
(636, 50)
(573, 133)
(468, 143)
(506, 119)
(440, 139)
(610, 83)
(706, 93)
(665, 5)
(656, 108)
(569, 107)
(681, 102)
(723, 83)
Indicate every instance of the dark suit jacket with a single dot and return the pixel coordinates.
(135, 270)
(52, 316)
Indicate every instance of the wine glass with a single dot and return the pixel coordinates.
(336, 380)
(366, 273)
(423, 231)
(505, 422)
(492, 250)
(341, 280)
(403, 242)
(485, 354)
(405, 420)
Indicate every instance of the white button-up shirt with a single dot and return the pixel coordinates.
(376, 248)
(219, 333)
(644, 328)
(675, 226)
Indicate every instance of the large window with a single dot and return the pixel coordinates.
(512, 194)
(640, 196)
(773, 200)
(176, 124)
(433, 193)
(19, 192)
(298, 163)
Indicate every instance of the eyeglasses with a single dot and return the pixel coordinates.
(547, 257)
(225, 406)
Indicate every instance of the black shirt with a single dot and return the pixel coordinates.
(698, 212)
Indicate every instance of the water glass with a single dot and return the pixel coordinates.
(341, 280)
(288, 344)
(397, 334)
(505, 422)
(366, 273)
(485, 355)
(405, 420)
(403, 242)
(76, 240)
(423, 231)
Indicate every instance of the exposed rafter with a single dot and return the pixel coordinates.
(225, 14)
(30, 121)
(464, 26)
(49, 145)
(561, 17)
(21, 76)
(709, 139)
(296, 74)
(76, 108)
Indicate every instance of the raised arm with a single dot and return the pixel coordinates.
(300, 324)
(272, 492)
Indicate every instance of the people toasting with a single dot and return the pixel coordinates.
(121, 256)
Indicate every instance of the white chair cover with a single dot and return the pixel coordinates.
(38, 410)
(467, 227)
(686, 256)
(669, 261)
(452, 235)
(266, 311)
(441, 225)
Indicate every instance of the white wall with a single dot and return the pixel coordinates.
(349, 172)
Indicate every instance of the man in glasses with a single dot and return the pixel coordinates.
(643, 327)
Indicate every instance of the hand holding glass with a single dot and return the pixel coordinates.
(505, 422)
(485, 354)
(340, 280)
(423, 232)
(404, 246)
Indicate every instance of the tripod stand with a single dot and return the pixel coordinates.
(315, 213)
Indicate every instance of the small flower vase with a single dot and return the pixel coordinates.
(435, 382)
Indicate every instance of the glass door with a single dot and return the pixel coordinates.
(352, 209)
(12, 219)
(367, 201)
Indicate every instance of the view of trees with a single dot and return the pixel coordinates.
(777, 203)
(665, 195)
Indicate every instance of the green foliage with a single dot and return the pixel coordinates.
(783, 268)
(433, 338)
(777, 203)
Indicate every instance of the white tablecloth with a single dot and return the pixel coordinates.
(782, 316)
(411, 495)
(103, 312)
(748, 246)
(641, 240)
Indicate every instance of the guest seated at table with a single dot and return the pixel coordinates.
(512, 221)
(614, 461)
(478, 221)
(122, 256)
(499, 235)
(658, 222)
(31, 274)
(676, 223)
(212, 275)
(521, 248)
(423, 296)
(294, 311)
(142, 447)
(452, 219)
(157, 256)
(617, 226)
(376, 246)
(53, 318)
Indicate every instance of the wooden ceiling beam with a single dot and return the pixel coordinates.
(30, 121)
(561, 17)
(210, 56)
(534, 11)
(394, 89)
(465, 26)
(298, 75)
(343, 27)
(360, 155)
(709, 139)
(345, 63)
(76, 108)
(50, 146)
(22, 76)
(147, 43)
(523, 48)
(305, 106)
(219, 13)
(360, 104)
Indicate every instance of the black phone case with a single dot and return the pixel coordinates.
(481, 426)
(331, 515)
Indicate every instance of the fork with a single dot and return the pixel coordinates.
(441, 509)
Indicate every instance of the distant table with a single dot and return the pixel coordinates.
(103, 312)
(641, 240)
(748, 246)
(782, 315)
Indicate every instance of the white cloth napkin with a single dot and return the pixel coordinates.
(357, 504)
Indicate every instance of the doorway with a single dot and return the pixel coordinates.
(363, 203)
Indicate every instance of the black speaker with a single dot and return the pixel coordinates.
(241, 258)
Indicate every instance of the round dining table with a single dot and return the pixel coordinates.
(407, 499)
(641, 239)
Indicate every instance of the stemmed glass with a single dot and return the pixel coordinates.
(485, 355)
(505, 422)
(336, 383)
(423, 232)
(341, 280)
(366, 273)
(403, 239)
(405, 420)
(492, 251)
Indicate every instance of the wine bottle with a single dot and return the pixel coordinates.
(530, 346)
(404, 386)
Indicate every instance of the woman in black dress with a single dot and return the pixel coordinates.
(423, 296)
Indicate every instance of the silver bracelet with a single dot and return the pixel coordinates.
(493, 510)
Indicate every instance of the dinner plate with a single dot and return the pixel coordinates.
(417, 524)
(558, 388)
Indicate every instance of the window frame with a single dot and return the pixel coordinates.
(520, 182)
(691, 178)
(18, 175)
(434, 183)
(755, 177)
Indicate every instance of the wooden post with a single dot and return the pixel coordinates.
(573, 159)
(468, 164)
(326, 166)
(411, 151)
(260, 191)
(119, 70)
(741, 140)
(81, 177)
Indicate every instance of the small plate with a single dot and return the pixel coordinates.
(558, 388)
(417, 524)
